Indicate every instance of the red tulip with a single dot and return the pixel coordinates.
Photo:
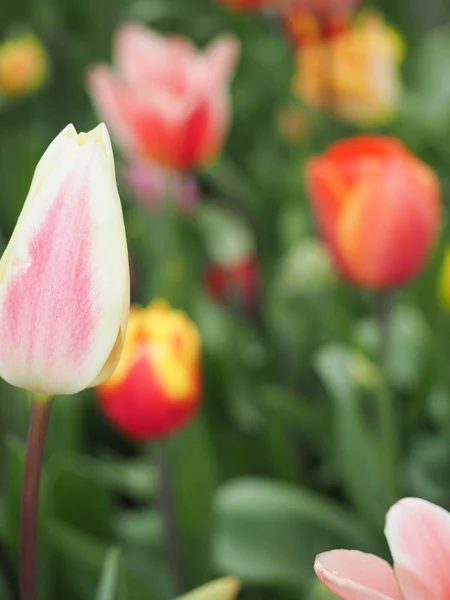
(235, 281)
(325, 7)
(377, 207)
(248, 5)
(156, 387)
(166, 101)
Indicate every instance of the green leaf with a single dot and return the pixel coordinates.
(112, 582)
(356, 447)
(269, 532)
(226, 588)
(226, 235)
(79, 498)
(190, 461)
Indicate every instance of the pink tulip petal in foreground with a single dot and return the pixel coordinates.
(418, 533)
(166, 101)
(64, 277)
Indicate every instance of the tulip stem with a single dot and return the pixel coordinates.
(167, 510)
(40, 412)
(385, 404)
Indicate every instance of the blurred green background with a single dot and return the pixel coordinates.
(285, 459)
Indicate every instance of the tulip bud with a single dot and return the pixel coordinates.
(64, 276)
(234, 282)
(166, 102)
(377, 207)
(23, 65)
(355, 74)
(157, 386)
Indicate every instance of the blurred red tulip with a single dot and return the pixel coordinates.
(325, 7)
(249, 5)
(377, 207)
(156, 387)
(166, 102)
(234, 282)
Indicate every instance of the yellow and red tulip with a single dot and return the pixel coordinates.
(377, 207)
(166, 101)
(354, 75)
(156, 388)
(23, 65)
(64, 276)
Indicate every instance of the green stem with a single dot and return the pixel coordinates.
(167, 511)
(387, 421)
(40, 412)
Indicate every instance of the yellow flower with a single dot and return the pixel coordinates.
(355, 74)
(23, 65)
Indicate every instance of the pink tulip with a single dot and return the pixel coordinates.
(152, 185)
(64, 277)
(418, 533)
(166, 101)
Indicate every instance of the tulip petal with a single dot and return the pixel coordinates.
(386, 227)
(62, 311)
(418, 533)
(145, 58)
(114, 105)
(220, 59)
(354, 575)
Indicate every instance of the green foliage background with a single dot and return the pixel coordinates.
(285, 459)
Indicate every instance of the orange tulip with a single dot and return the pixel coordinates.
(166, 102)
(156, 387)
(377, 207)
(354, 75)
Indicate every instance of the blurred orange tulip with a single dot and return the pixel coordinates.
(156, 387)
(23, 65)
(377, 207)
(166, 102)
(355, 74)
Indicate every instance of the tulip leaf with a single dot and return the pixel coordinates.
(74, 479)
(112, 583)
(269, 532)
(357, 450)
(189, 460)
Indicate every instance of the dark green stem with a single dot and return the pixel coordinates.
(386, 408)
(167, 511)
(40, 412)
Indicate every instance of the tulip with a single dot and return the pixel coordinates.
(377, 207)
(153, 185)
(166, 102)
(64, 276)
(235, 281)
(418, 533)
(354, 75)
(157, 386)
(250, 5)
(23, 65)
(324, 8)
